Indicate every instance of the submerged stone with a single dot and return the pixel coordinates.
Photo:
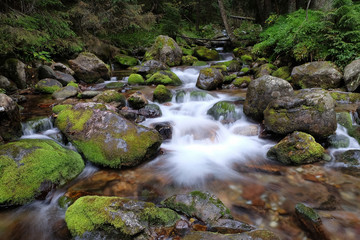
(206, 54)
(209, 79)
(224, 111)
(162, 94)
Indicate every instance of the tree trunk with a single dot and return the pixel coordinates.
(224, 18)
(307, 9)
(292, 6)
(198, 15)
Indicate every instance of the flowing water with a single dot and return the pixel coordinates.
(228, 159)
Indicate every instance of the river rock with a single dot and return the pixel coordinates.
(62, 68)
(230, 226)
(164, 129)
(136, 79)
(162, 94)
(48, 85)
(188, 60)
(209, 79)
(116, 218)
(165, 78)
(165, 50)
(310, 110)
(111, 96)
(338, 141)
(64, 78)
(89, 68)
(253, 235)
(137, 100)
(297, 148)
(320, 74)
(205, 54)
(261, 92)
(352, 75)
(88, 94)
(348, 162)
(224, 111)
(65, 92)
(151, 66)
(263, 70)
(201, 205)
(151, 111)
(106, 138)
(32, 167)
(45, 71)
(6, 84)
(14, 69)
(10, 126)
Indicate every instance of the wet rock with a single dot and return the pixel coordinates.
(188, 60)
(229, 226)
(114, 85)
(310, 110)
(106, 138)
(352, 75)
(339, 141)
(64, 78)
(182, 227)
(320, 74)
(263, 234)
(31, 167)
(10, 126)
(164, 128)
(45, 71)
(6, 84)
(165, 50)
(89, 68)
(345, 97)
(165, 78)
(151, 111)
(137, 100)
(264, 70)
(258, 235)
(261, 92)
(162, 94)
(209, 79)
(135, 79)
(234, 66)
(344, 119)
(224, 111)
(199, 96)
(205, 54)
(14, 69)
(201, 205)
(180, 96)
(132, 115)
(119, 218)
(65, 92)
(88, 94)
(126, 61)
(62, 68)
(48, 85)
(242, 82)
(350, 158)
(311, 221)
(251, 130)
(297, 148)
(151, 66)
(111, 96)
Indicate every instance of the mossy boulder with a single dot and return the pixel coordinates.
(111, 96)
(114, 85)
(58, 108)
(135, 79)
(7, 85)
(201, 205)
(283, 72)
(164, 78)
(88, 94)
(89, 68)
(319, 74)
(352, 75)
(261, 92)
(10, 119)
(296, 149)
(209, 79)
(247, 59)
(162, 94)
(344, 119)
(221, 67)
(14, 69)
(48, 85)
(187, 51)
(188, 60)
(228, 79)
(224, 111)
(350, 158)
(151, 66)
(31, 167)
(205, 54)
(233, 66)
(65, 92)
(310, 110)
(265, 69)
(345, 97)
(165, 50)
(115, 217)
(242, 82)
(338, 141)
(137, 100)
(106, 138)
(126, 61)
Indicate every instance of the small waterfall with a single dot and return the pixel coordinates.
(41, 129)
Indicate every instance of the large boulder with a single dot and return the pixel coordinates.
(14, 69)
(106, 138)
(165, 50)
(62, 68)
(64, 78)
(261, 92)
(31, 167)
(165, 78)
(151, 66)
(6, 84)
(205, 54)
(352, 75)
(45, 71)
(210, 79)
(162, 94)
(311, 111)
(65, 92)
(10, 126)
(48, 85)
(116, 218)
(320, 74)
(109, 96)
(297, 148)
(89, 68)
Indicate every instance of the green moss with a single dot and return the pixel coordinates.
(126, 60)
(41, 161)
(47, 89)
(307, 212)
(187, 209)
(241, 81)
(188, 60)
(345, 97)
(221, 67)
(208, 72)
(283, 72)
(164, 78)
(73, 120)
(344, 119)
(206, 54)
(111, 96)
(228, 79)
(159, 216)
(73, 84)
(199, 63)
(246, 58)
(223, 110)
(135, 79)
(58, 108)
(2, 90)
(245, 70)
(187, 51)
(114, 85)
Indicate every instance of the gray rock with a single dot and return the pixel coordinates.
(64, 78)
(352, 75)
(62, 68)
(65, 92)
(48, 85)
(311, 111)
(164, 129)
(137, 100)
(46, 72)
(14, 69)
(320, 74)
(261, 92)
(151, 66)
(151, 111)
(209, 79)
(89, 94)
(6, 84)
(10, 126)
(229, 226)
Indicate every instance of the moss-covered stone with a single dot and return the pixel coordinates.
(31, 166)
(125, 60)
(137, 100)
(246, 59)
(164, 78)
(187, 51)
(339, 141)
(58, 108)
(73, 84)
(283, 72)
(111, 96)
(180, 96)
(135, 79)
(209, 79)
(297, 148)
(224, 111)
(188, 60)
(242, 82)
(199, 96)
(127, 217)
(114, 85)
(307, 212)
(162, 94)
(2, 91)
(345, 97)
(48, 85)
(165, 50)
(344, 119)
(265, 69)
(245, 70)
(206, 54)
(221, 67)
(199, 64)
(228, 79)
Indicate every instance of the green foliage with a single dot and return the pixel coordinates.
(170, 21)
(248, 32)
